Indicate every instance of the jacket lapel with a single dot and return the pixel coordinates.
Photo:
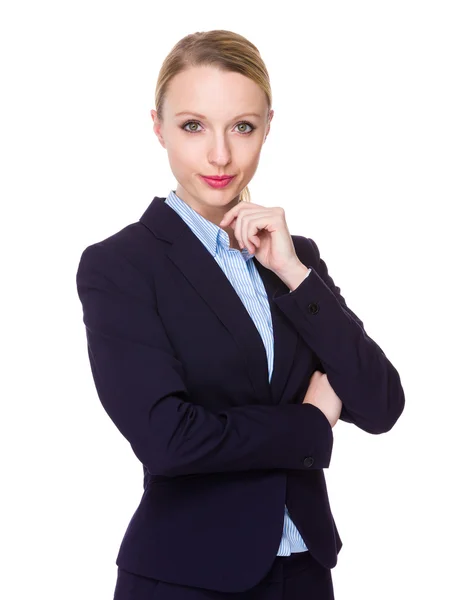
(285, 336)
(191, 257)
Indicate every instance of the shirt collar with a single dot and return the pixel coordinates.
(212, 236)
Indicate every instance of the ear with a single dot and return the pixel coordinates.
(157, 127)
(270, 116)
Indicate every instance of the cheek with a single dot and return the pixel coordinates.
(180, 158)
(249, 155)
(250, 163)
(178, 165)
(188, 156)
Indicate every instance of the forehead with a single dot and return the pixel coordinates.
(213, 92)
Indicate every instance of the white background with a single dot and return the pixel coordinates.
(370, 153)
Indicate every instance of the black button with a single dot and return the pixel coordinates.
(313, 308)
(308, 461)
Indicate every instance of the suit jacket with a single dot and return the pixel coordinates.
(223, 448)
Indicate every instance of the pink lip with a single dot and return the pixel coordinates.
(218, 182)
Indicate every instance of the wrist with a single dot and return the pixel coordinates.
(293, 276)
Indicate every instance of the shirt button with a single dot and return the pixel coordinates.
(308, 461)
(313, 308)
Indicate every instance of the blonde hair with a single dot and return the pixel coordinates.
(223, 49)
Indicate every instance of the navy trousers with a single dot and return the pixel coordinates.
(295, 577)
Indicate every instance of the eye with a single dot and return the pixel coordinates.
(246, 123)
(237, 125)
(190, 123)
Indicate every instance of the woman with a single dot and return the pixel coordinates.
(224, 353)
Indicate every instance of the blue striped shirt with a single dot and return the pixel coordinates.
(239, 267)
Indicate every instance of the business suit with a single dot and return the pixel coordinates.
(213, 433)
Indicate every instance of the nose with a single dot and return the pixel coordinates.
(219, 153)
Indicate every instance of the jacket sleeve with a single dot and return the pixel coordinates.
(140, 383)
(358, 370)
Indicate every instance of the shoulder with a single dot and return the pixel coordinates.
(124, 257)
(133, 243)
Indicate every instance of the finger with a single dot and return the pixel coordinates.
(251, 242)
(228, 216)
(241, 228)
(237, 230)
(250, 226)
(236, 210)
(255, 226)
(244, 222)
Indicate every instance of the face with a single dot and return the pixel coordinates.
(226, 139)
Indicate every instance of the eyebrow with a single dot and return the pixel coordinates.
(187, 112)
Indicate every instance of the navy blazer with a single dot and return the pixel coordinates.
(181, 370)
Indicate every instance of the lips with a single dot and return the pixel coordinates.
(218, 182)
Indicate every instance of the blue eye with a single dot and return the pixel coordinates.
(197, 123)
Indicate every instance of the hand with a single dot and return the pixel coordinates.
(320, 393)
(264, 232)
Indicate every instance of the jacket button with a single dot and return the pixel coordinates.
(308, 461)
(313, 308)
